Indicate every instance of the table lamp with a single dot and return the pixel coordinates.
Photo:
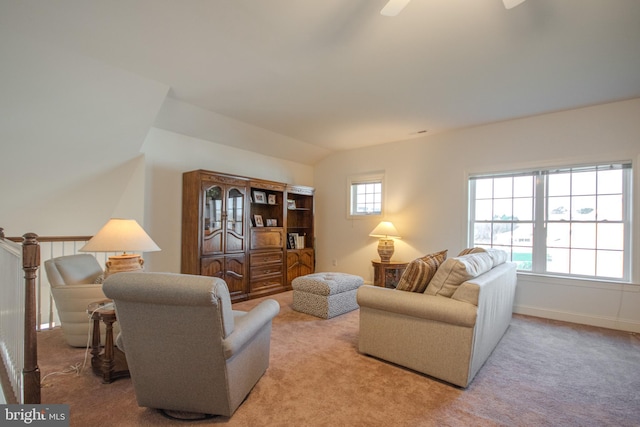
(386, 232)
(124, 235)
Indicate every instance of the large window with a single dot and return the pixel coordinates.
(365, 195)
(572, 221)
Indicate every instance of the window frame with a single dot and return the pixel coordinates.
(540, 220)
(360, 179)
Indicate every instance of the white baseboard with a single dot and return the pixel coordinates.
(603, 322)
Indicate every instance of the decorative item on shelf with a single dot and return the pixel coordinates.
(271, 222)
(259, 197)
(291, 204)
(258, 220)
(272, 199)
(386, 232)
(124, 235)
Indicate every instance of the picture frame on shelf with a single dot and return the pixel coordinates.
(272, 199)
(272, 222)
(258, 220)
(259, 197)
(291, 204)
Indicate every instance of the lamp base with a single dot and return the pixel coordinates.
(385, 249)
(122, 263)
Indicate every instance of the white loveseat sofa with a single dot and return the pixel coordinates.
(448, 331)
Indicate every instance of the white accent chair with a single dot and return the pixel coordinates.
(187, 350)
(73, 285)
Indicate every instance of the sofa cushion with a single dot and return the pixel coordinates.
(455, 271)
(419, 272)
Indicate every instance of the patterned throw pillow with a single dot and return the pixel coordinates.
(471, 251)
(419, 272)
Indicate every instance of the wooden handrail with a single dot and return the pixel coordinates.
(43, 239)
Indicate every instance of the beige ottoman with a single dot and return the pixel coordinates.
(326, 295)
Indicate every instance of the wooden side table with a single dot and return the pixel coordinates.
(387, 274)
(112, 363)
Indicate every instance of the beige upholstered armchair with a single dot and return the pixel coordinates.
(187, 350)
(73, 285)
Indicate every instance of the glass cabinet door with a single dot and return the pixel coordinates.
(213, 220)
(235, 220)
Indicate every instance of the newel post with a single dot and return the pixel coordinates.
(31, 371)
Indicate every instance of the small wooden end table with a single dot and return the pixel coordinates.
(111, 364)
(387, 274)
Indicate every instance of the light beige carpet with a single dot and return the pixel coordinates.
(543, 373)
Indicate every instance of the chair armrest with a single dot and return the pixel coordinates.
(247, 326)
(429, 307)
(81, 290)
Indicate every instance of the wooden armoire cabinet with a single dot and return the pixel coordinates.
(257, 235)
(214, 228)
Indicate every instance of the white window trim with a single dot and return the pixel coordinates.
(628, 279)
(362, 179)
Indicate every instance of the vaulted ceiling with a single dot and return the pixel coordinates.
(335, 74)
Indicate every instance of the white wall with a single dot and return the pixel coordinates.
(427, 200)
(71, 128)
(168, 155)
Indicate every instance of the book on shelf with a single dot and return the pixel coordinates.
(295, 241)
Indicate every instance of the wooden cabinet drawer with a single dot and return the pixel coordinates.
(266, 286)
(261, 258)
(267, 271)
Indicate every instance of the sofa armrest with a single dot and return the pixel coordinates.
(248, 325)
(429, 307)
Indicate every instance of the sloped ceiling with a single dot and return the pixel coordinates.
(67, 120)
(334, 74)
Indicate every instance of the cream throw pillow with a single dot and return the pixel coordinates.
(497, 255)
(419, 272)
(454, 271)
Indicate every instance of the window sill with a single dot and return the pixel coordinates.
(579, 282)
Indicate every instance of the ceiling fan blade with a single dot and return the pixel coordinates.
(511, 3)
(393, 7)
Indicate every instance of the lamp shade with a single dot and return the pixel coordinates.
(393, 7)
(121, 235)
(509, 4)
(386, 230)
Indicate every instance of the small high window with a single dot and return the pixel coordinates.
(365, 195)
